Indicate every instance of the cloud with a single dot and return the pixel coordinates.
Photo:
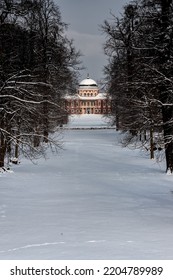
(91, 47)
(88, 44)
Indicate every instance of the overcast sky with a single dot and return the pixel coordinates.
(84, 18)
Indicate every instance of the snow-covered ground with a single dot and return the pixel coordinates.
(94, 200)
(88, 121)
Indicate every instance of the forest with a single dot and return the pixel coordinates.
(38, 64)
(139, 75)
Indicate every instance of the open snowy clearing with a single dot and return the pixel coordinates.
(94, 200)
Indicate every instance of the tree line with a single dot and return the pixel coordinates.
(38, 64)
(139, 74)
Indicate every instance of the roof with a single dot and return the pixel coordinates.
(88, 83)
(76, 96)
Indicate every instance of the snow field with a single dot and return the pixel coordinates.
(94, 200)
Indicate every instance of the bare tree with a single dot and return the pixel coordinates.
(38, 65)
(139, 73)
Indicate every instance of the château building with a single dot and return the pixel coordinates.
(88, 99)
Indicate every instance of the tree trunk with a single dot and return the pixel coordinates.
(167, 113)
(16, 152)
(169, 157)
(151, 144)
(45, 122)
(3, 147)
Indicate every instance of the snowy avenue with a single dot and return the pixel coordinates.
(94, 200)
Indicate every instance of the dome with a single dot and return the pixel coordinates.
(88, 83)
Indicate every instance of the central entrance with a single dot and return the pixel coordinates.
(88, 111)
